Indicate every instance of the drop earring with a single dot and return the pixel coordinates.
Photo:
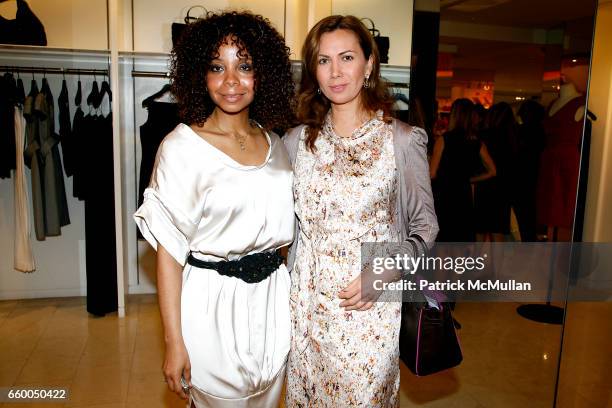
(366, 83)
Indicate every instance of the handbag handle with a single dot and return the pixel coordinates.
(375, 32)
(189, 18)
(421, 241)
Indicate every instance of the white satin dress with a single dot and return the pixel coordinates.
(200, 200)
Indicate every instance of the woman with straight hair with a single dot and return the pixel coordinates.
(359, 176)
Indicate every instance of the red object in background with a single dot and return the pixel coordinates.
(559, 165)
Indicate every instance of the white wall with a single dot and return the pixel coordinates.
(80, 24)
(392, 17)
(152, 22)
(296, 26)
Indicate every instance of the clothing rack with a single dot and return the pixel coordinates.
(150, 74)
(398, 85)
(62, 71)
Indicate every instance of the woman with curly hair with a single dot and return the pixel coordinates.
(218, 207)
(359, 176)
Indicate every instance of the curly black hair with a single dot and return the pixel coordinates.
(273, 106)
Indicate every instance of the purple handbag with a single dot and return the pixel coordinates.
(428, 340)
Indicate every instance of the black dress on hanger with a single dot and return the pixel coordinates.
(25, 29)
(65, 129)
(163, 118)
(78, 146)
(8, 98)
(100, 247)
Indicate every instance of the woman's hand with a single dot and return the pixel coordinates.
(355, 298)
(176, 364)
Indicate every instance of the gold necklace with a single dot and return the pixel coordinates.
(241, 139)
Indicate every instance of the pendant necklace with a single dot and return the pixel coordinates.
(242, 141)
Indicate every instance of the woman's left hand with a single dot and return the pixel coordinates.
(361, 294)
(355, 298)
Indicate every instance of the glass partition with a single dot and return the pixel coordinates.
(523, 70)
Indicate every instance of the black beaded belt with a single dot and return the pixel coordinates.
(250, 268)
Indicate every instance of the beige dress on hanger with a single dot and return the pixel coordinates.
(23, 256)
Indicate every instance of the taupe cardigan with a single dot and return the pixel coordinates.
(414, 211)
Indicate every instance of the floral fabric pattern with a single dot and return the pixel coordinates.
(345, 193)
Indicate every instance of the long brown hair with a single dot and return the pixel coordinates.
(461, 117)
(312, 105)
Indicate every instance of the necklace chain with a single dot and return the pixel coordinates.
(241, 139)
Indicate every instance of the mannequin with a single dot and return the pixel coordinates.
(560, 160)
(567, 92)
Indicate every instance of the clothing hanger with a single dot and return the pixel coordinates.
(165, 89)
(33, 86)
(45, 84)
(78, 96)
(94, 94)
(104, 89)
(64, 91)
(20, 90)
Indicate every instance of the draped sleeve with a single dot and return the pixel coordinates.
(172, 205)
(415, 210)
(291, 139)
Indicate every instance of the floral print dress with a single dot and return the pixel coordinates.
(344, 194)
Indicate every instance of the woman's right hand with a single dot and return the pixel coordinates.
(176, 364)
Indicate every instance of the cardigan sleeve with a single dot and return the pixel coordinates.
(415, 206)
(291, 139)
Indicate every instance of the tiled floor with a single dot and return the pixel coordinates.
(111, 362)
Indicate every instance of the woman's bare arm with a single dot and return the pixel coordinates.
(169, 282)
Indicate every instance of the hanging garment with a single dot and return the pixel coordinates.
(33, 158)
(100, 241)
(23, 255)
(43, 157)
(8, 94)
(65, 130)
(163, 117)
(25, 29)
(55, 190)
(77, 143)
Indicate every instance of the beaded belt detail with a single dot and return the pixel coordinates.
(250, 268)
